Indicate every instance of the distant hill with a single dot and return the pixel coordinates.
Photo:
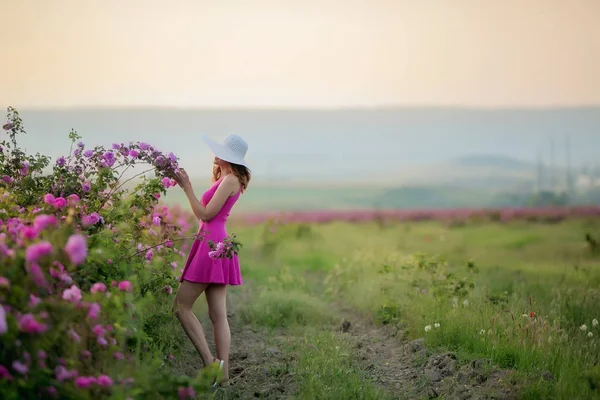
(383, 147)
(492, 161)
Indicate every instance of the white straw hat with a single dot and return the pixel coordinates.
(232, 149)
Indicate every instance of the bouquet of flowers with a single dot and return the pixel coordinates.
(229, 247)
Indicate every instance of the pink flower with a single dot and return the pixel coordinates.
(98, 287)
(168, 289)
(20, 367)
(29, 232)
(133, 153)
(73, 294)
(4, 282)
(76, 248)
(33, 300)
(49, 199)
(74, 335)
(84, 382)
(91, 219)
(186, 393)
(102, 341)
(59, 203)
(118, 355)
(98, 330)
(38, 250)
(174, 264)
(37, 276)
(42, 221)
(104, 381)
(5, 373)
(149, 255)
(3, 323)
(126, 286)
(62, 374)
(94, 311)
(156, 220)
(73, 199)
(166, 182)
(28, 324)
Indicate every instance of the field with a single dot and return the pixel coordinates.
(416, 310)
(453, 304)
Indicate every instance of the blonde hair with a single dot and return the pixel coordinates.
(240, 171)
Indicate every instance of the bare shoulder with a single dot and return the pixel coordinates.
(231, 182)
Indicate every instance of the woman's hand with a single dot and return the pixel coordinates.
(183, 179)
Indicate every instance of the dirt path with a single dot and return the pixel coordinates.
(407, 370)
(404, 369)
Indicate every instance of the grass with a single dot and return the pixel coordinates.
(480, 282)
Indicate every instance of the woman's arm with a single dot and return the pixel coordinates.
(207, 213)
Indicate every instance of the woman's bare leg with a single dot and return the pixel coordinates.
(216, 296)
(185, 298)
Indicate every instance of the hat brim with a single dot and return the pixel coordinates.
(223, 153)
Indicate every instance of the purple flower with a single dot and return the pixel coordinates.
(90, 219)
(8, 126)
(59, 203)
(94, 311)
(98, 287)
(74, 335)
(76, 248)
(42, 221)
(88, 153)
(126, 286)
(7, 179)
(20, 367)
(116, 146)
(49, 199)
(84, 382)
(144, 146)
(28, 324)
(38, 250)
(133, 154)
(172, 157)
(3, 323)
(109, 155)
(149, 255)
(24, 168)
(37, 276)
(33, 300)
(72, 294)
(81, 145)
(104, 381)
(86, 187)
(61, 162)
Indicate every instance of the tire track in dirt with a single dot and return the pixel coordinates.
(408, 370)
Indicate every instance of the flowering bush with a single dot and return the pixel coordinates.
(87, 268)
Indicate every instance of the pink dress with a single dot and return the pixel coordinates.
(199, 267)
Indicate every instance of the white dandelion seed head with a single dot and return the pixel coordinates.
(436, 325)
(594, 322)
(465, 302)
(427, 328)
(482, 332)
(583, 327)
(590, 334)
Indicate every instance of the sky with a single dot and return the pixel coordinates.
(304, 53)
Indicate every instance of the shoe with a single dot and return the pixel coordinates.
(216, 382)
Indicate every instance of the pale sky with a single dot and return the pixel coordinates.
(304, 53)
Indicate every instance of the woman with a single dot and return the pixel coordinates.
(203, 273)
